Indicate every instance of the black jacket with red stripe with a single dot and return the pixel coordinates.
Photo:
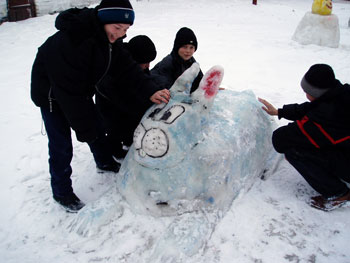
(321, 124)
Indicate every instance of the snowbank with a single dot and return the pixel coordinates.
(44, 7)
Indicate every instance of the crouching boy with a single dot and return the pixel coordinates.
(317, 142)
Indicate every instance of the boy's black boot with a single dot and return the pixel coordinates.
(70, 203)
(113, 166)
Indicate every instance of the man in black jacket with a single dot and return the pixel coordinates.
(317, 143)
(67, 70)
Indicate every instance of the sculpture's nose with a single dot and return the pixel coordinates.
(155, 143)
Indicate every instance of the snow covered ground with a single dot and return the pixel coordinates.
(271, 223)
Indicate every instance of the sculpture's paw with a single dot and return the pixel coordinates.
(93, 216)
(186, 235)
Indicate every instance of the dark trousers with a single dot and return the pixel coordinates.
(120, 124)
(323, 170)
(61, 150)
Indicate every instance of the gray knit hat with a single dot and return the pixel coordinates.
(318, 80)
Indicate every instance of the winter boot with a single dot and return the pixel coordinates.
(329, 204)
(70, 203)
(113, 166)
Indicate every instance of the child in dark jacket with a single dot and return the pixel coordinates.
(120, 114)
(180, 59)
(317, 142)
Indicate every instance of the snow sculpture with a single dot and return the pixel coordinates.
(190, 159)
(319, 27)
(187, 152)
(322, 30)
(322, 7)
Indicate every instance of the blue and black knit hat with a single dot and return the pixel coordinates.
(115, 11)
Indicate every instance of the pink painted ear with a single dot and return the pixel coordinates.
(212, 82)
(209, 86)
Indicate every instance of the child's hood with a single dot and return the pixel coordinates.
(82, 21)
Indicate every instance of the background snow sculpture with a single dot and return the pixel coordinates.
(319, 27)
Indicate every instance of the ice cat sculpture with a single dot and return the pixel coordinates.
(190, 159)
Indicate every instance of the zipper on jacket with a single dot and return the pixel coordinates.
(106, 71)
(50, 99)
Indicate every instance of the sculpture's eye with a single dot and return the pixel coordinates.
(167, 116)
(172, 114)
(156, 110)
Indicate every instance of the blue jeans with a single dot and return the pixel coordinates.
(61, 150)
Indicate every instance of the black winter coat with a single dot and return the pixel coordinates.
(122, 118)
(170, 68)
(67, 67)
(123, 96)
(126, 87)
(73, 62)
(321, 124)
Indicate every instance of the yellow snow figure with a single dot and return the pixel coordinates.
(322, 7)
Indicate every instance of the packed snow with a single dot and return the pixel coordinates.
(318, 29)
(49, 7)
(270, 223)
(44, 7)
